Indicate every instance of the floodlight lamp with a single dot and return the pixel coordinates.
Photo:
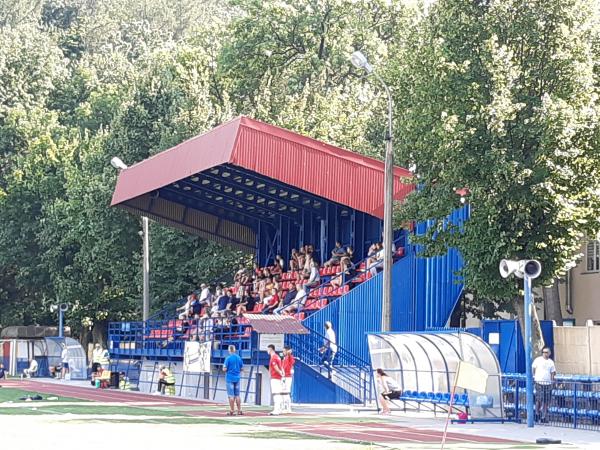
(360, 61)
(117, 163)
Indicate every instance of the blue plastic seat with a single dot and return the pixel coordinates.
(422, 395)
(446, 397)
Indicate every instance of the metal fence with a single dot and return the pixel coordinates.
(167, 338)
(574, 401)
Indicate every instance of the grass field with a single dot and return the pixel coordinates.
(153, 424)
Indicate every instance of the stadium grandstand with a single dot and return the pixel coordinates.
(311, 213)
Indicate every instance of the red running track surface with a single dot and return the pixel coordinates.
(383, 432)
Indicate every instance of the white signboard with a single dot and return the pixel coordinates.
(267, 339)
(196, 357)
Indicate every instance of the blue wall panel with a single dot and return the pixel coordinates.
(510, 350)
(311, 387)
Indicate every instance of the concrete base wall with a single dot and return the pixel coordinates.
(574, 350)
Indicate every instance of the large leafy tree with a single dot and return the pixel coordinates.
(501, 98)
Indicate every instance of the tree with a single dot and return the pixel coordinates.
(501, 98)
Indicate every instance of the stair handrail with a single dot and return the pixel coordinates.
(355, 372)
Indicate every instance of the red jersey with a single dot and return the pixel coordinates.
(275, 366)
(274, 300)
(288, 365)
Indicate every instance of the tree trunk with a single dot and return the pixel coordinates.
(536, 329)
(99, 332)
(552, 303)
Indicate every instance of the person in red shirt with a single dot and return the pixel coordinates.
(286, 383)
(272, 302)
(277, 374)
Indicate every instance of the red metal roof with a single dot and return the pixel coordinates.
(275, 324)
(325, 170)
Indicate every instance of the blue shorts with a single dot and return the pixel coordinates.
(233, 388)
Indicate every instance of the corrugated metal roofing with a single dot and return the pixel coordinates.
(325, 170)
(275, 324)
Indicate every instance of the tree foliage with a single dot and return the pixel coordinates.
(502, 98)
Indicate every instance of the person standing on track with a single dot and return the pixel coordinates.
(277, 374)
(64, 361)
(233, 366)
(286, 383)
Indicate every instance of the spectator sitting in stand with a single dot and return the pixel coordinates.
(277, 269)
(220, 306)
(294, 264)
(195, 307)
(233, 304)
(337, 254)
(378, 262)
(262, 287)
(280, 262)
(301, 258)
(287, 300)
(344, 275)
(348, 256)
(205, 295)
(186, 308)
(314, 279)
(271, 302)
(297, 304)
(372, 256)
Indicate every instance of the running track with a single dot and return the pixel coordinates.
(376, 432)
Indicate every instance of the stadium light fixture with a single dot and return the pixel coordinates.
(118, 164)
(527, 269)
(360, 61)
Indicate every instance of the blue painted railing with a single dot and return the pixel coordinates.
(574, 402)
(167, 338)
(350, 372)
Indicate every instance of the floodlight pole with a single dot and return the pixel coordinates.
(528, 349)
(146, 268)
(388, 203)
(61, 320)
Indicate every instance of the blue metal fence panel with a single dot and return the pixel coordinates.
(510, 350)
(437, 287)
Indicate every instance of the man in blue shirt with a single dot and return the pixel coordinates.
(233, 367)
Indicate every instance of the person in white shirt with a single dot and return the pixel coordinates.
(389, 389)
(205, 295)
(329, 348)
(544, 372)
(33, 367)
(314, 279)
(64, 361)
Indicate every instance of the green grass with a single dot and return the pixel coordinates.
(279, 435)
(86, 409)
(11, 394)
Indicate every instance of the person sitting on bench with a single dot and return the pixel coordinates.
(165, 379)
(389, 390)
(32, 369)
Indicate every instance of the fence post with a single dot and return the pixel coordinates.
(258, 389)
(574, 405)
(206, 385)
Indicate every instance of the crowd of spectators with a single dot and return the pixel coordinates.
(270, 290)
(294, 288)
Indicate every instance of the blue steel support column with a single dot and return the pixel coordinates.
(61, 315)
(528, 349)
